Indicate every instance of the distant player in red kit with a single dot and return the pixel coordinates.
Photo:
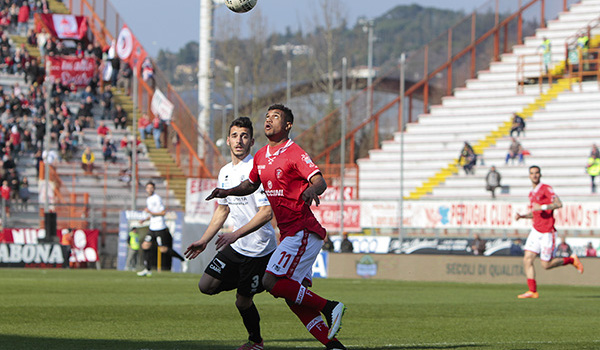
(292, 182)
(543, 202)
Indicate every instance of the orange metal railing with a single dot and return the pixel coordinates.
(526, 77)
(586, 67)
(105, 22)
(71, 208)
(439, 66)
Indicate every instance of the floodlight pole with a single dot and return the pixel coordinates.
(134, 158)
(401, 129)
(343, 142)
(236, 82)
(288, 88)
(48, 86)
(368, 27)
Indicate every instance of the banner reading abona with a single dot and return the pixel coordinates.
(21, 247)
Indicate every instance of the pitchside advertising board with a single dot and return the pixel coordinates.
(130, 219)
(472, 214)
(25, 247)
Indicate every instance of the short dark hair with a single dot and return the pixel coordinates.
(536, 167)
(289, 116)
(243, 122)
(150, 183)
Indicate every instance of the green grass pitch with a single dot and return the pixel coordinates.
(89, 309)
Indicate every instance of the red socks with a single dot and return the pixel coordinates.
(313, 321)
(532, 285)
(297, 294)
(567, 261)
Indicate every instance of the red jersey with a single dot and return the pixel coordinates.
(543, 220)
(103, 130)
(284, 174)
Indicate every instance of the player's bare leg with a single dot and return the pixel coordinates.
(529, 270)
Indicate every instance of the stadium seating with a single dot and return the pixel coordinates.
(559, 141)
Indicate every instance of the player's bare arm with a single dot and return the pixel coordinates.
(556, 204)
(216, 222)
(264, 215)
(243, 189)
(524, 216)
(315, 189)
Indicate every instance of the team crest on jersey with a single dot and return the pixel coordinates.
(279, 173)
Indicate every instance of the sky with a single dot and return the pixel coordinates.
(170, 27)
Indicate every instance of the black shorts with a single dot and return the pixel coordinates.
(235, 270)
(161, 238)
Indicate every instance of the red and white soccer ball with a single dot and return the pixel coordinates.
(240, 6)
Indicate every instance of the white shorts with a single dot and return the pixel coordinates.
(295, 256)
(541, 243)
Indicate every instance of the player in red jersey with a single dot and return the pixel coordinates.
(543, 202)
(292, 182)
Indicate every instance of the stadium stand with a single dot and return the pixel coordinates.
(479, 113)
(106, 193)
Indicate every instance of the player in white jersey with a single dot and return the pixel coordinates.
(244, 252)
(158, 232)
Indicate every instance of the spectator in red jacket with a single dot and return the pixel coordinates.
(590, 251)
(102, 131)
(144, 126)
(23, 18)
(5, 193)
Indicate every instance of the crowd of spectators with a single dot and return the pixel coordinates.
(24, 110)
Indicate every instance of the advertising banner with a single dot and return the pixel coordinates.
(328, 214)
(129, 219)
(71, 70)
(472, 214)
(22, 235)
(32, 255)
(22, 248)
(332, 193)
(197, 209)
(453, 246)
(84, 246)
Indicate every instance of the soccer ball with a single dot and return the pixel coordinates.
(240, 6)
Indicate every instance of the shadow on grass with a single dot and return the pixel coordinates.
(14, 342)
(437, 346)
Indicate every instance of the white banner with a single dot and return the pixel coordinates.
(124, 43)
(65, 26)
(197, 209)
(161, 106)
(475, 214)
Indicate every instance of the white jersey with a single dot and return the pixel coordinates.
(242, 209)
(155, 204)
